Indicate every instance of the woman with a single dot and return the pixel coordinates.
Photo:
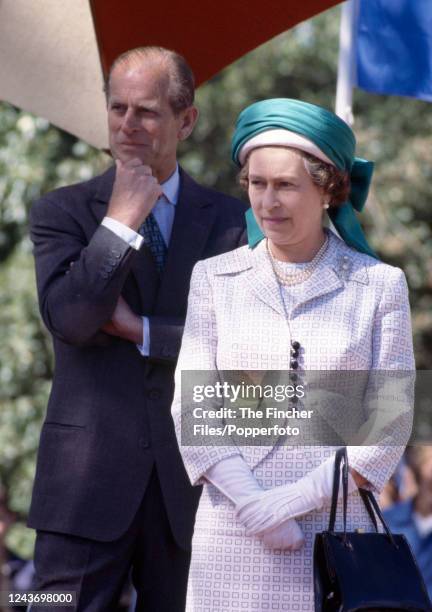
(297, 299)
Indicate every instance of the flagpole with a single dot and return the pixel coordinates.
(346, 67)
(346, 62)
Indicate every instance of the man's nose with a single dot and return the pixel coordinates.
(129, 123)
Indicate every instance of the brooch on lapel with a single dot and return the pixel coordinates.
(344, 266)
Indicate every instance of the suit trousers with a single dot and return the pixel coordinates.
(97, 571)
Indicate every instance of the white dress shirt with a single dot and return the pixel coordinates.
(163, 212)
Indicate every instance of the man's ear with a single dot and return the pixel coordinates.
(188, 119)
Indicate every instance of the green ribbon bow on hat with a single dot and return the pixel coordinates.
(328, 132)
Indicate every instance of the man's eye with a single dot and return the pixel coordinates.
(147, 112)
(256, 182)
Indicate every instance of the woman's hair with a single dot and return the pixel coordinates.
(334, 183)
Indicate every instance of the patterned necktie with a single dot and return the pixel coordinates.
(153, 238)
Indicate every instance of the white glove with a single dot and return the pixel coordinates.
(287, 536)
(233, 477)
(265, 510)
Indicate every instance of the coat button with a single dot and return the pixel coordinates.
(154, 394)
(143, 442)
(294, 364)
(295, 345)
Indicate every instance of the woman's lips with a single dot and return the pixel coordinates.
(274, 220)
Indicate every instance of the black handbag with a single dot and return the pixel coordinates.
(364, 571)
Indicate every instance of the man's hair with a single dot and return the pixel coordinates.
(181, 88)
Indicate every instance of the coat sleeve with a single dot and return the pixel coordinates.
(197, 366)
(78, 281)
(389, 398)
(165, 338)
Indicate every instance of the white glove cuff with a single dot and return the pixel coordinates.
(233, 477)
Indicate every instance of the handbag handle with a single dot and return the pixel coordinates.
(367, 497)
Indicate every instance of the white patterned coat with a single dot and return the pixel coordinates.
(351, 314)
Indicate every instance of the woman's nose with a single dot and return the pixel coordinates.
(269, 199)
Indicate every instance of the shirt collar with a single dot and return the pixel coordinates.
(171, 186)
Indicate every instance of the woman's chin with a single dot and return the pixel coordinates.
(280, 239)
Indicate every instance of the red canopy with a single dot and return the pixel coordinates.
(57, 71)
(211, 35)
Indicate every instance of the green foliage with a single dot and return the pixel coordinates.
(36, 157)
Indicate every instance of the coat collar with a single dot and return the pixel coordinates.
(340, 265)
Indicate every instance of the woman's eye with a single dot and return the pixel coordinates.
(285, 185)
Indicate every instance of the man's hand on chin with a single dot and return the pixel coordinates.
(125, 323)
(135, 192)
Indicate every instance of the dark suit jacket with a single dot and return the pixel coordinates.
(108, 419)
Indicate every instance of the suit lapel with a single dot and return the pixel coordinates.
(144, 278)
(102, 195)
(193, 221)
(262, 281)
(325, 279)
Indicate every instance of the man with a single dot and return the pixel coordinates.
(110, 490)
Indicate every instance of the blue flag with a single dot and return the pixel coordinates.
(394, 47)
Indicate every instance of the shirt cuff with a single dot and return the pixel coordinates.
(144, 348)
(127, 234)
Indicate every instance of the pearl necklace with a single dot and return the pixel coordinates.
(296, 278)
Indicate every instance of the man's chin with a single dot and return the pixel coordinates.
(126, 153)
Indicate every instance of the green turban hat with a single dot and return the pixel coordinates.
(333, 137)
